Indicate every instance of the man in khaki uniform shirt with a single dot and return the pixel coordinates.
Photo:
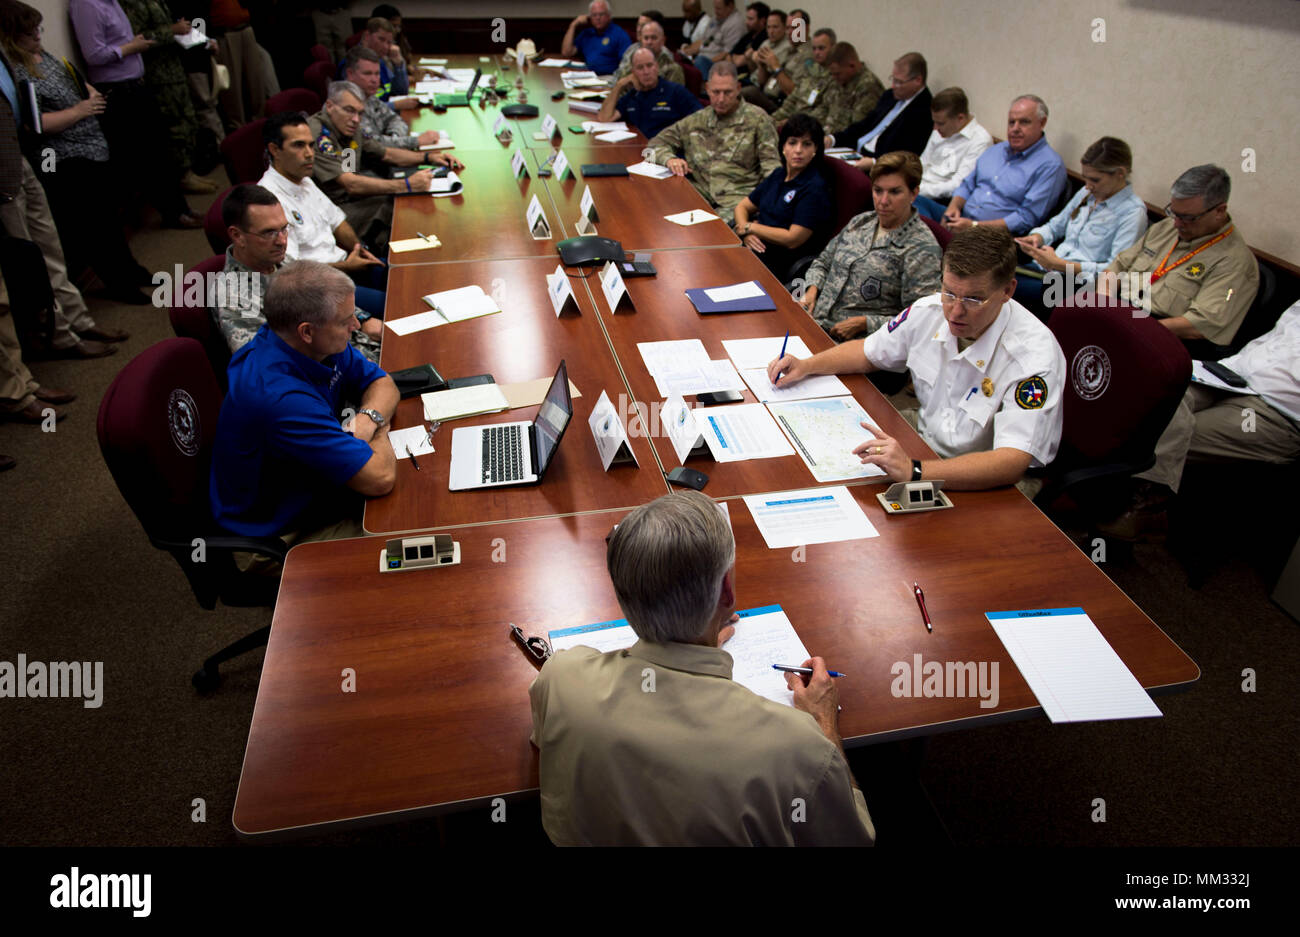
(727, 148)
(655, 744)
(1204, 277)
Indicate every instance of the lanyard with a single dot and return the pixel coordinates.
(1165, 266)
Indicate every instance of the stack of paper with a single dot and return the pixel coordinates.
(764, 636)
(601, 126)
(812, 515)
(615, 136)
(650, 170)
(749, 353)
(463, 401)
(554, 63)
(819, 385)
(586, 107)
(684, 368)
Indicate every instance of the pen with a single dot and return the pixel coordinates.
(920, 600)
(785, 341)
(411, 456)
(971, 391)
(425, 236)
(804, 671)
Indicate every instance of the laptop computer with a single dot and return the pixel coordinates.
(458, 100)
(498, 454)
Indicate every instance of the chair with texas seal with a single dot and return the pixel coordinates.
(156, 425)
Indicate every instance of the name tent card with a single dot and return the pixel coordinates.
(610, 434)
(549, 127)
(538, 226)
(611, 283)
(501, 127)
(677, 417)
(519, 165)
(560, 290)
(588, 205)
(560, 168)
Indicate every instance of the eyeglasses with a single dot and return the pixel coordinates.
(1188, 219)
(350, 111)
(970, 303)
(270, 234)
(537, 647)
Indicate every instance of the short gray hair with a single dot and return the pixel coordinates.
(305, 291)
(827, 31)
(1042, 105)
(339, 88)
(608, 6)
(724, 69)
(654, 58)
(1210, 182)
(667, 560)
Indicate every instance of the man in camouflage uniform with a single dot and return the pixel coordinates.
(766, 61)
(881, 262)
(853, 90)
(727, 148)
(379, 121)
(804, 78)
(258, 229)
(164, 73)
(652, 38)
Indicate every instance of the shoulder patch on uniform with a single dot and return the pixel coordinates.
(325, 143)
(898, 319)
(1031, 393)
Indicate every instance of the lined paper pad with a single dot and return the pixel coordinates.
(764, 636)
(811, 515)
(1075, 674)
(463, 401)
(749, 353)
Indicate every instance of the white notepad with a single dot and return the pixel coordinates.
(1074, 672)
(463, 401)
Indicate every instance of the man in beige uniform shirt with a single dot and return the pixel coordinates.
(1203, 276)
(655, 744)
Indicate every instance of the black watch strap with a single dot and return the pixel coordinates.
(916, 470)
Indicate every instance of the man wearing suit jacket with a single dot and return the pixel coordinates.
(899, 121)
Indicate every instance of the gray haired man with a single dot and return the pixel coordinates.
(700, 760)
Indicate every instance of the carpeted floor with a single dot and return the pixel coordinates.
(1219, 768)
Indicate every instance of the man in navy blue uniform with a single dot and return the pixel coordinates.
(645, 100)
(287, 456)
(600, 43)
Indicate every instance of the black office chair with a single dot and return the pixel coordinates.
(1259, 318)
(156, 425)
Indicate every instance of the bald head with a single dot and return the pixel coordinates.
(652, 37)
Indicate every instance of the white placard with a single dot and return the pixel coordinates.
(585, 227)
(549, 127)
(519, 165)
(611, 283)
(560, 290)
(560, 166)
(587, 205)
(500, 126)
(610, 434)
(537, 223)
(678, 418)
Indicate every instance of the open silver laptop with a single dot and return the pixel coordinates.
(499, 454)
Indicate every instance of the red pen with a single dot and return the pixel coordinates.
(920, 601)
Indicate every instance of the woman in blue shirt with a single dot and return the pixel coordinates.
(789, 215)
(1104, 217)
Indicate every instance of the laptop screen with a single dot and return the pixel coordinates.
(552, 418)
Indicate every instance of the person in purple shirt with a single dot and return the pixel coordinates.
(1015, 184)
(601, 44)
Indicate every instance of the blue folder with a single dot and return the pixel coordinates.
(705, 306)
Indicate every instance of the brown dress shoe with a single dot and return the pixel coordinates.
(50, 395)
(85, 349)
(34, 412)
(6, 463)
(101, 334)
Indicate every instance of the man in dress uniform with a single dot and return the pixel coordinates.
(988, 374)
(727, 148)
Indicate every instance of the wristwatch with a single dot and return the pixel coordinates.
(375, 415)
(916, 470)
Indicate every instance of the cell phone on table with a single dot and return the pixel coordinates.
(1225, 374)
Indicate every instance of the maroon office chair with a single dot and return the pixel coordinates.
(294, 99)
(157, 422)
(851, 189)
(243, 153)
(941, 234)
(352, 40)
(195, 321)
(1125, 376)
(318, 76)
(694, 78)
(214, 227)
(318, 53)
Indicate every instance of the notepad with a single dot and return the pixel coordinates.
(416, 438)
(463, 401)
(650, 170)
(729, 294)
(603, 126)
(811, 515)
(1074, 672)
(467, 302)
(749, 353)
(413, 244)
(614, 136)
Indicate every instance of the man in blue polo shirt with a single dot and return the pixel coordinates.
(601, 44)
(645, 100)
(1015, 184)
(281, 460)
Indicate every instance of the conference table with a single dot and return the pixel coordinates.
(437, 716)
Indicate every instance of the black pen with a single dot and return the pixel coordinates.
(803, 671)
(411, 456)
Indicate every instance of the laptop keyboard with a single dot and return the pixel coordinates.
(503, 458)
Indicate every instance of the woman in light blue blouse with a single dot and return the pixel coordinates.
(1104, 218)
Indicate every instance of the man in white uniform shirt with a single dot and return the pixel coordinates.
(988, 374)
(954, 147)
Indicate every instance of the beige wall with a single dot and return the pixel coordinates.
(1183, 81)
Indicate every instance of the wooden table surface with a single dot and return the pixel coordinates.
(440, 717)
